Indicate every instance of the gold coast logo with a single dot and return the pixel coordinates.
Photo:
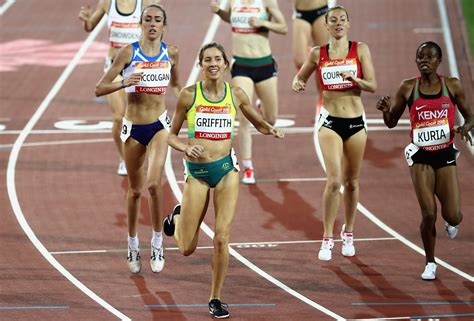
(225, 166)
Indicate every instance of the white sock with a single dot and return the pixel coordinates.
(157, 239)
(133, 242)
(247, 163)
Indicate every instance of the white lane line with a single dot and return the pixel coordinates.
(11, 185)
(178, 194)
(252, 245)
(61, 142)
(4, 7)
(385, 227)
(453, 66)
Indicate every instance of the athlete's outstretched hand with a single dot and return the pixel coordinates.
(384, 104)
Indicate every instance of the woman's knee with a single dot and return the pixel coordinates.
(134, 193)
(351, 185)
(221, 241)
(154, 188)
(428, 216)
(333, 184)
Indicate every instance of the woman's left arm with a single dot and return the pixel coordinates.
(243, 103)
(174, 81)
(456, 89)
(277, 24)
(368, 82)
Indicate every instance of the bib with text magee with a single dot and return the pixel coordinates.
(240, 15)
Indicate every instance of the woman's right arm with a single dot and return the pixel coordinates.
(106, 85)
(89, 20)
(391, 114)
(185, 100)
(309, 66)
(224, 14)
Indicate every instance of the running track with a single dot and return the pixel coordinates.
(66, 258)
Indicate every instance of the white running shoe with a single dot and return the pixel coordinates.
(133, 260)
(249, 176)
(430, 271)
(325, 253)
(452, 231)
(347, 238)
(157, 260)
(122, 169)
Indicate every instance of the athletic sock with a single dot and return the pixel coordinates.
(157, 239)
(247, 163)
(133, 242)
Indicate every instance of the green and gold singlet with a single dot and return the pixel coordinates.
(213, 120)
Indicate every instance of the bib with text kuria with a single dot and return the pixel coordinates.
(123, 28)
(240, 14)
(155, 71)
(432, 118)
(329, 69)
(213, 120)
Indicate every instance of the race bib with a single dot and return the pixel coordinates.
(154, 79)
(235, 162)
(124, 33)
(433, 135)
(213, 122)
(165, 121)
(330, 73)
(126, 129)
(410, 150)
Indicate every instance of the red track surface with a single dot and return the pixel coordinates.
(72, 199)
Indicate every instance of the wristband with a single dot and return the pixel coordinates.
(122, 84)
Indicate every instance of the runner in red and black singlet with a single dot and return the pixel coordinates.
(345, 69)
(431, 155)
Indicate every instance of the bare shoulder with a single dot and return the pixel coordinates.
(104, 5)
(362, 47)
(407, 85)
(453, 82)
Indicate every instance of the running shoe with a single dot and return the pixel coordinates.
(325, 253)
(216, 308)
(157, 260)
(430, 271)
(122, 169)
(133, 260)
(452, 231)
(249, 176)
(347, 238)
(168, 223)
